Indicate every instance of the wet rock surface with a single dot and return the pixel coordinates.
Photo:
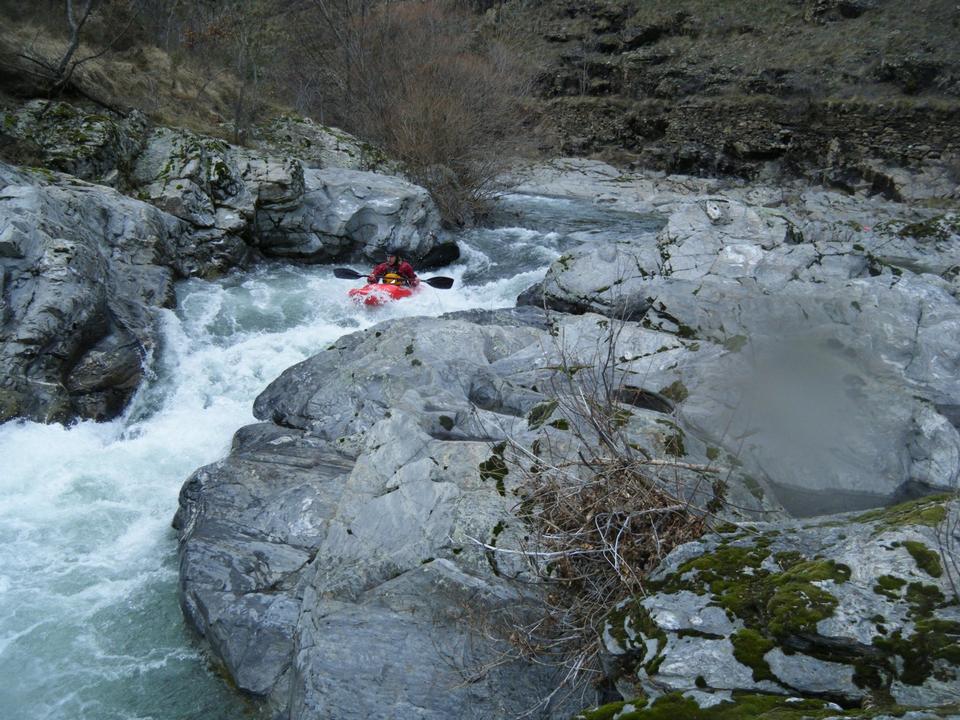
(85, 269)
(86, 262)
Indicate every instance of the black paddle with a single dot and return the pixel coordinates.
(441, 283)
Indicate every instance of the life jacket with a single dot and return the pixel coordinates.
(403, 270)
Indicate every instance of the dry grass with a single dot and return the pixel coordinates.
(171, 89)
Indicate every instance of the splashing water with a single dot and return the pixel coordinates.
(90, 628)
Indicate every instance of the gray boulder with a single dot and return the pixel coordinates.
(320, 146)
(236, 202)
(839, 386)
(85, 269)
(56, 135)
(349, 212)
(78, 292)
(237, 199)
(355, 531)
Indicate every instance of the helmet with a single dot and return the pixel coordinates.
(395, 248)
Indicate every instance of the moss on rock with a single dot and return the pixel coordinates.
(742, 706)
(929, 511)
(932, 640)
(675, 391)
(926, 559)
(749, 647)
(889, 586)
(541, 413)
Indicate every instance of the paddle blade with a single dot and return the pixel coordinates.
(441, 283)
(347, 274)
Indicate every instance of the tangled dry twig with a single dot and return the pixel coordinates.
(602, 512)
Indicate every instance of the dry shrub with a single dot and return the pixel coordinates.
(602, 512)
(422, 79)
(416, 78)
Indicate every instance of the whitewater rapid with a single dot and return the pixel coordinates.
(89, 623)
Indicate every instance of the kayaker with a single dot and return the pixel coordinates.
(395, 266)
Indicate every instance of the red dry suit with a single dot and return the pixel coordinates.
(402, 268)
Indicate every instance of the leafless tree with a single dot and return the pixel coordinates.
(58, 73)
(416, 78)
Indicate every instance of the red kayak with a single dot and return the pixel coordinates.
(381, 293)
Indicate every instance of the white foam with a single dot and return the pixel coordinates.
(85, 541)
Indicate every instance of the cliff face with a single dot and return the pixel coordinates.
(841, 92)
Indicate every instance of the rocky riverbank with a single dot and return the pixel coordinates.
(92, 239)
(359, 552)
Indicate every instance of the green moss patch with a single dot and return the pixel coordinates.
(735, 343)
(936, 229)
(773, 605)
(926, 559)
(749, 647)
(631, 626)
(929, 511)
(923, 599)
(932, 640)
(675, 391)
(674, 706)
(781, 597)
(494, 467)
(673, 441)
(889, 586)
(541, 413)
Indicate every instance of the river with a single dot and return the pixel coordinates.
(90, 628)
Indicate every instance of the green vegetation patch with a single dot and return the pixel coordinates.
(782, 597)
(753, 486)
(541, 413)
(673, 441)
(674, 706)
(749, 647)
(775, 605)
(889, 586)
(923, 599)
(630, 626)
(494, 467)
(735, 343)
(933, 639)
(926, 559)
(935, 229)
(929, 511)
